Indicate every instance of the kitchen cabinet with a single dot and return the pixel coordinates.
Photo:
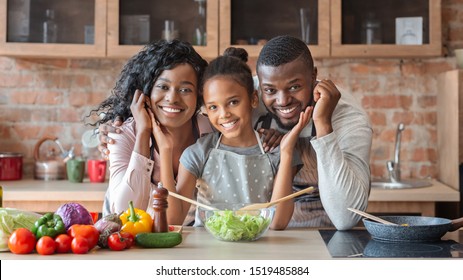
(120, 28)
(249, 24)
(449, 128)
(133, 23)
(368, 28)
(80, 28)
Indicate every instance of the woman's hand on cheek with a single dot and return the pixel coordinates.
(140, 112)
(163, 138)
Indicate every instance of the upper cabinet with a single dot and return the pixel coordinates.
(53, 28)
(388, 28)
(250, 24)
(133, 23)
(120, 28)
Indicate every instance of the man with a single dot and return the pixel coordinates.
(335, 146)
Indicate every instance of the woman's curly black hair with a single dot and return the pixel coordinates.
(142, 70)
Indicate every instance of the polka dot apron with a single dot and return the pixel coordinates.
(235, 178)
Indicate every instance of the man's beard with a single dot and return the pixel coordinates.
(278, 121)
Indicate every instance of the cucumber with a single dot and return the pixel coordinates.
(158, 239)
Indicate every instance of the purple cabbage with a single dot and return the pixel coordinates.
(74, 213)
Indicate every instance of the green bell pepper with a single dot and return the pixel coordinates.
(49, 225)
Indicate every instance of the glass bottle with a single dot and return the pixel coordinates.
(199, 36)
(50, 28)
(371, 30)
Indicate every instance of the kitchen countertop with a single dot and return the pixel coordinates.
(290, 244)
(43, 196)
(197, 244)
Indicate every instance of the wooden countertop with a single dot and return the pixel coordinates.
(197, 244)
(42, 196)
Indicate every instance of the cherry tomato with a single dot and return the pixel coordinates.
(46, 245)
(171, 228)
(63, 243)
(79, 245)
(21, 241)
(116, 242)
(128, 239)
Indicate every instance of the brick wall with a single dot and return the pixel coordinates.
(43, 97)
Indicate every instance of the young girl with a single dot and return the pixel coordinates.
(161, 79)
(231, 161)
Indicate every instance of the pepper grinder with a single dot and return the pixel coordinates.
(160, 205)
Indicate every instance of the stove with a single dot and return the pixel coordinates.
(358, 243)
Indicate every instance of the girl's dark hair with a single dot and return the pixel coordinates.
(232, 64)
(284, 49)
(142, 70)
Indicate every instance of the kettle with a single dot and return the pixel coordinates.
(53, 167)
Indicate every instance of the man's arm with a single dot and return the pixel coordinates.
(343, 163)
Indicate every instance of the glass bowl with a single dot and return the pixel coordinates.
(231, 224)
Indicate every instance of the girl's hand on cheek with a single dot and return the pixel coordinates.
(290, 138)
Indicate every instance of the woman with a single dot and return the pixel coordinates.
(162, 78)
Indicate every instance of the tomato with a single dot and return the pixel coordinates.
(63, 243)
(46, 245)
(21, 241)
(129, 239)
(171, 228)
(88, 232)
(116, 242)
(80, 245)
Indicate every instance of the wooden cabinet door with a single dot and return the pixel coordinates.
(249, 24)
(355, 22)
(148, 18)
(80, 28)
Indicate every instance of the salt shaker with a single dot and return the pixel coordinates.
(160, 205)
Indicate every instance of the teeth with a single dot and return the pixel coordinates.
(229, 124)
(171, 110)
(287, 111)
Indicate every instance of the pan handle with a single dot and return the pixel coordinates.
(456, 224)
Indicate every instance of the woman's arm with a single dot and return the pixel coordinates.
(177, 210)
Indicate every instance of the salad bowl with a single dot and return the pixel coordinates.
(231, 223)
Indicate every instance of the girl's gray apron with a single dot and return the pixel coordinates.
(235, 178)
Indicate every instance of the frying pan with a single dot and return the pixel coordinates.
(418, 228)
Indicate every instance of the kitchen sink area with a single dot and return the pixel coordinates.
(403, 184)
(395, 180)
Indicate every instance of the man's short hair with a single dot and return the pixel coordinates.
(284, 49)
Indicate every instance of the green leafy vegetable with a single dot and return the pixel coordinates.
(228, 226)
(12, 219)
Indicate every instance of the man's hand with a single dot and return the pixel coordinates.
(272, 138)
(326, 97)
(104, 129)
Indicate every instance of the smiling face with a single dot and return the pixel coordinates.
(229, 108)
(287, 90)
(174, 96)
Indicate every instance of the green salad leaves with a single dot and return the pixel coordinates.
(228, 226)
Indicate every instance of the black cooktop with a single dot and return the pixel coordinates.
(358, 243)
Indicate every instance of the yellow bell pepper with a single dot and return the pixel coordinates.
(135, 220)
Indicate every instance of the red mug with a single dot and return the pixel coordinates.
(96, 169)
